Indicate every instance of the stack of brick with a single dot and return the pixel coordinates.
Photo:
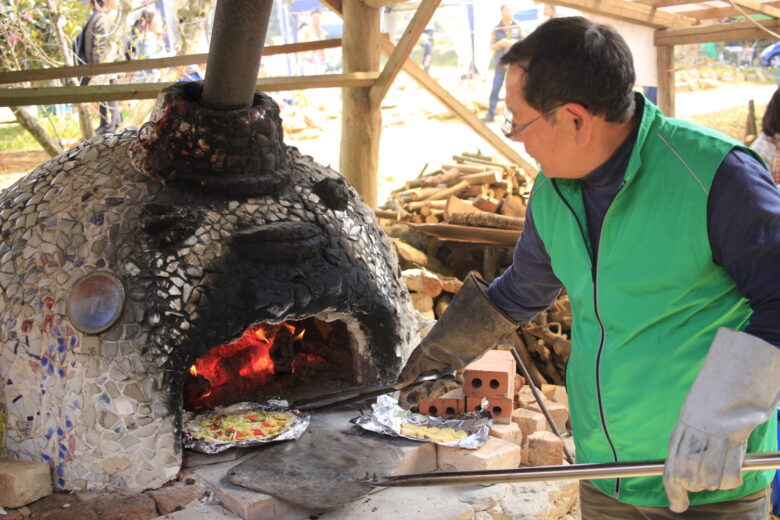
(491, 377)
(541, 447)
(520, 430)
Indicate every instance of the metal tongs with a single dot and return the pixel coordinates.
(752, 462)
(361, 393)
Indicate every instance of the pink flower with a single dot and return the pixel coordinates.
(13, 38)
(27, 16)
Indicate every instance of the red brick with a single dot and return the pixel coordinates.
(448, 404)
(500, 407)
(23, 482)
(492, 375)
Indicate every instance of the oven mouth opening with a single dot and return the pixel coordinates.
(293, 360)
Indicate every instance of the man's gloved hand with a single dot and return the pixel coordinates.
(470, 327)
(737, 389)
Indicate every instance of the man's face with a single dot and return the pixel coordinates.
(542, 138)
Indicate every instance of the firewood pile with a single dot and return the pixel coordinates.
(472, 190)
(425, 220)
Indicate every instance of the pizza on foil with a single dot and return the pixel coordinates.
(243, 425)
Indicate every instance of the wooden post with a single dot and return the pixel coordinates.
(665, 62)
(361, 122)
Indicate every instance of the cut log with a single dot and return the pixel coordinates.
(472, 168)
(486, 203)
(422, 193)
(483, 219)
(416, 205)
(409, 257)
(423, 281)
(440, 307)
(488, 177)
(421, 302)
(388, 214)
(449, 177)
(445, 193)
(474, 191)
(450, 284)
(513, 206)
(458, 205)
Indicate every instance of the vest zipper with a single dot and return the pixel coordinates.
(594, 274)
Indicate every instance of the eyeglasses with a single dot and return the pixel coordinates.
(510, 129)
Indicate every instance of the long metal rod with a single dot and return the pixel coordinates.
(540, 401)
(753, 462)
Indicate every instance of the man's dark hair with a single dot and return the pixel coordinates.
(770, 123)
(573, 60)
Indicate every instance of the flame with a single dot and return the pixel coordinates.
(231, 370)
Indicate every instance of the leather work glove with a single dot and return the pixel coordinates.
(737, 389)
(471, 325)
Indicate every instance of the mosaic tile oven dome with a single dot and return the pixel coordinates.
(131, 255)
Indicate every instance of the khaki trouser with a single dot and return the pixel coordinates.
(596, 505)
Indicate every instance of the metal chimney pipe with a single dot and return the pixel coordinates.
(237, 41)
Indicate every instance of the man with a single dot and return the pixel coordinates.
(504, 35)
(101, 47)
(666, 237)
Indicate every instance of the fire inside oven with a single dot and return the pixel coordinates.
(291, 360)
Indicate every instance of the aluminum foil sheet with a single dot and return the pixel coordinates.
(387, 417)
(195, 437)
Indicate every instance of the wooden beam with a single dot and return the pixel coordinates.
(361, 120)
(403, 49)
(758, 7)
(629, 12)
(333, 5)
(713, 12)
(382, 3)
(464, 114)
(96, 69)
(721, 12)
(665, 61)
(456, 107)
(722, 32)
(665, 3)
(90, 93)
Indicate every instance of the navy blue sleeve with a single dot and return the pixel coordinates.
(528, 286)
(743, 222)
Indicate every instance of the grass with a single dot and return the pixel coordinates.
(63, 127)
(731, 122)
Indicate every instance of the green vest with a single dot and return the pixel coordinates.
(646, 305)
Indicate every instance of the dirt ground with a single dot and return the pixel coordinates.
(15, 164)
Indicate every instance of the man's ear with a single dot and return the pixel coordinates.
(582, 121)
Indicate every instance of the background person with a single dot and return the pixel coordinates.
(504, 35)
(313, 61)
(670, 289)
(767, 143)
(147, 41)
(101, 47)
